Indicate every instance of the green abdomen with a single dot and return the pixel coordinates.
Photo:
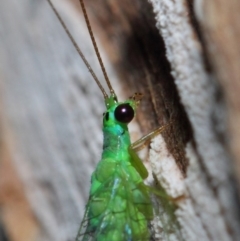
(119, 208)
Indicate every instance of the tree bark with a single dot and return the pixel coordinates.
(175, 53)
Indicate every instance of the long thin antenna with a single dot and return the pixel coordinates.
(96, 48)
(78, 50)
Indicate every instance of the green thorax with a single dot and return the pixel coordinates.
(119, 205)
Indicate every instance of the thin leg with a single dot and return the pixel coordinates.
(142, 142)
(138, 145)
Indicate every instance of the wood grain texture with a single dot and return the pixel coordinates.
(51, 109)
(221, 32)
(49, 124)
(209, 176)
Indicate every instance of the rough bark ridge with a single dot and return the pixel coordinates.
(184, 57)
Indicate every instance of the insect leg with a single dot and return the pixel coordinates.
(142, 142)
(138, 145)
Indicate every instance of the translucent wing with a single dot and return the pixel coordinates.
(166, 225)
(119, 209)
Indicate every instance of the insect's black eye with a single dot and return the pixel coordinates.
(124, 113)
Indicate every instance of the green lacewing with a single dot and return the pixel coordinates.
(119, 207)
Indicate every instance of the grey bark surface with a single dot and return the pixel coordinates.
(51, 113)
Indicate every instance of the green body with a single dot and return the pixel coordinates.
(119, 206)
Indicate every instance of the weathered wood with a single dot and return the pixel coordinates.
(51, 112)
(219, 21)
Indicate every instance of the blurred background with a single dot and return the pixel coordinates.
(46, 162)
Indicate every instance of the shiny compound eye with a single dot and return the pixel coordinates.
(124, 113)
